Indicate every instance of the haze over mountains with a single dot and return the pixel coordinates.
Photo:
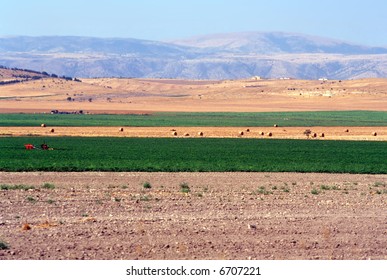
(219, 56)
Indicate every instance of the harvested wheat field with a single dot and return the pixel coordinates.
(193, 216)
(328, 133)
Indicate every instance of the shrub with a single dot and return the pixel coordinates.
(315, 192)
(48, 186)
(16, 187)
(31, 199)
(147, 185)
(3, 245)
(184, 188)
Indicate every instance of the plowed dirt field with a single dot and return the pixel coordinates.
(193, 216)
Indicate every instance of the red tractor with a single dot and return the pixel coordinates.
(44, 146)
(29, 146)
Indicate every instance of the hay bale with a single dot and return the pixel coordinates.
(374, 133)
(276, 125)
(347, 130)
(186, 134)
(314, 135)
(269, 134)
(121, 129)
(248, 130)
(52, 130)
(322, 134)
(43, 125)
(200, 133)
(241, 133)
(174, 133)
(262, 133)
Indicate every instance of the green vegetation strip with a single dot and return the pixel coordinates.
(194, 154)
(334, 118)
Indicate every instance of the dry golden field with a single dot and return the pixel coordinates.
(121, 96)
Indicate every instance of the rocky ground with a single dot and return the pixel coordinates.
(192, 216)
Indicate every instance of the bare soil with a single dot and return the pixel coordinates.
(223, 216)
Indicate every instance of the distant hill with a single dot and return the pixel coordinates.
(73, 44)
(219, 56)
(275, 43)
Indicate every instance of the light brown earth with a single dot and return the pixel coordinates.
(122, 96)
(224, 216)
(330, 133)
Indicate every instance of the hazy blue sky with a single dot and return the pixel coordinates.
(362, 22)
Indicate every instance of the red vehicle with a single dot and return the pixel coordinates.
(44, 146)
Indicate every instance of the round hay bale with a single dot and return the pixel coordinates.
(241, 133)
(262, 133)
(374, 133)
(322, 134)
(186, 134)
(200, 133)
(269, 134)
(347, 130)
(314, 135)
(43, 125)
(52, 130)
(276, 125)
(248, 130)
(174, 133)
(121, 129)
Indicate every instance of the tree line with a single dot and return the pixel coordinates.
(35, 77)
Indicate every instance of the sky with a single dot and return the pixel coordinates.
(362, 22)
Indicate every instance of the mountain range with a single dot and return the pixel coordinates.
(218, 56)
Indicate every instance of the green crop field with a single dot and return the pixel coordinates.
(201, 154)
(305, 119)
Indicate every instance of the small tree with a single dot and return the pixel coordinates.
(307, 132)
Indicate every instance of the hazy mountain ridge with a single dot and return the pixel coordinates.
(276, 42)
(221, 56)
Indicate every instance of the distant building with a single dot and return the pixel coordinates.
(256, 78)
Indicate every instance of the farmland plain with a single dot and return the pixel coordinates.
(93, 213)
